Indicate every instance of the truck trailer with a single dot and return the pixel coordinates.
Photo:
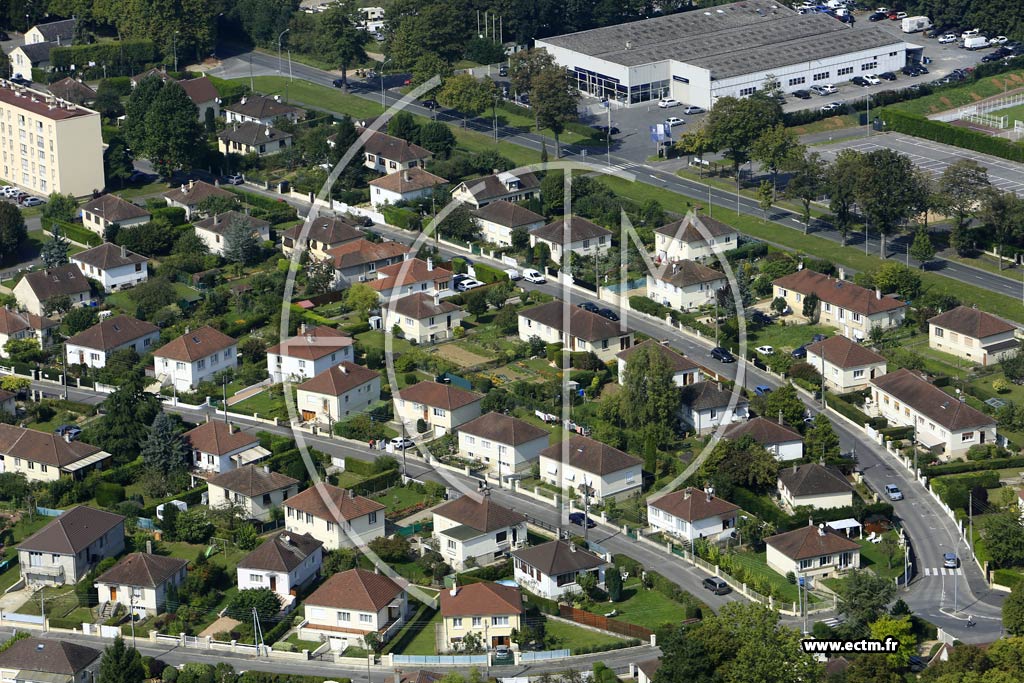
(915, 24)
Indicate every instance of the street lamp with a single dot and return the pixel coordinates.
(174, 38)
(279, 48)
(381, 77)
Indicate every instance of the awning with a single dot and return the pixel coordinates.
(87, 461)
(928, 440)
(845, 525)
(251, 455)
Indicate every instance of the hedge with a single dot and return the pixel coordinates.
(937, 131)
(124, 474)
(960, 467)
(897, 433)
(605, 647)
(488, 274)
(276, 212)
(1007, 577)
(543, 605)
(60, 622)
(175, 215)
(253, 676)
(377, 482)
(399, 217)
(988, 479)
(74, 232)
(852, 412)
(122, 58)
(363, 468)
(648, 306)
(192, 497)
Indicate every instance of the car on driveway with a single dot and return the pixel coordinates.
(861, 81)
(468, 284)
(893, 492)
(722, 354)
(400, 443)
(887, 76)
(950, 560)
(234, 179)
(579, 519)
(513, 274)
(669, 102)
(693, 109)
(503, 71)
(872, 79)
(674, 121)
(762, 390)
(799, 352)
(877, 16)
(531, 275)
(32, 201)
(765, 349)
(21, 80)
(716, 585)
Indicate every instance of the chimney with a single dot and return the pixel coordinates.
(842, 273)
(821, 529)
(266, 469)
(437, 299)
(207, 418)
(191, 184)
(710, 493)
(216, 219)
(149, 547)
(406, 176)
(686, 493)
(344, 370)
(780, 417)
(430, 264)
(800, 266)
(810, 521)
(302, 329)
(124, 252)
(455, 587)
(67, 437)
(878, 293)
(572, 547)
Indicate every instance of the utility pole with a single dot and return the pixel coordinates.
(970, 521)
(225, 384)
(586, 511)
(131, 614)
(64, 369)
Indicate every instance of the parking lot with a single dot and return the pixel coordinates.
(934, 157)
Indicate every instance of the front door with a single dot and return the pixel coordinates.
(273, 584)
(113, 594)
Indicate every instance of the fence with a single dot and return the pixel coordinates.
(48, 512)
(446, 660)
(35, 619)
(604, 623)
(543, 656)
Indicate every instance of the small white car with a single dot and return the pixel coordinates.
(900, 16)
(674, 121)
(831, 106)
(513, 274)
(10, 191)
(32, 201)
(968, 34)
(872, 79)
(893, 492)
(402, 443)
(531, 275)
(668, 102)
(998, 40)
(881, 10)
(693, 109)
(468, 284)
(765, 350)
(947, 38)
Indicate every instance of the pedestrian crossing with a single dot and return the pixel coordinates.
(942, 571)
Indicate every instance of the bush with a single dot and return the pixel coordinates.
(121, 58)
(377, 482)
(169, 675)
(60, 622)
(109, 494)
(944, 469)
(488, 274)
(937, 131)
(648, 306)
(1010, 578)
(897, 433)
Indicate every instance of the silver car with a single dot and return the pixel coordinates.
(893, 492)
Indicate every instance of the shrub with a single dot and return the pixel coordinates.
(645, 305)
(421, 426)
(109, 494)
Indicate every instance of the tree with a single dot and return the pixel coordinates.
(784, 401)
(216, 204)
(587, 581)
(864, 597)
(1013, 612)
(887, 191)
(173, 136)
(806, 181)
(772, 148)
(899, 628)
(263, 600)
(735, 124)
(60, 207)
(261, 20)
(12, 231)
(613, 583)
(649, 393)
(810, 307)
(554, 98)
(426, 67)
(240, 243)
(55, 252)
(739, 462)
(57, 305)
(821, 440)
(922, 248)
(139, 102)
(460, 224)
(961, 186)
(164, 452)
(1003, 216)
(320, 276)
(362, 298)
(438, 138)
(696, 143)
(1004, 537)
(476, 303)
(24, 350)
(467, 95)
(192, 526)
(339, 40)
(122, 430)
(403, 125)
(78, 319)
(765, 197)
(892, 276)
(839, 184)
(121, 663)
(117, 162)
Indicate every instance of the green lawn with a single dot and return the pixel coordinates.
(347, 480)
(126, 303)
(19, 532)
(265, 405)
(873, 556)
(757, 562)
(948, 98)
(826, 125)
(149, 189)
(417, 636)
(302, 644)
(786, 337)
(319, 96)
(227, 558)
(576, 638)
(645, 607)
(375, 339)
(400, 498)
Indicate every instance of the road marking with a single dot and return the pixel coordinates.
(942, 571)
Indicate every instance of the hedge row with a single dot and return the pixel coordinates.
(60, 622)
(543, 605)
(399, 217)
(363, 468)
(74, 232)
(192, 497)
(1010, 578)
(488, 274)
(937, 131)
(253, 676)
(124, 57)
(271, 210)
(852, 412)
(648, 306)
(377, 482)
(897, 433)
(988, 479)
(960, 467)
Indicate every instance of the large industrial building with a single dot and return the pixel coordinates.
(730, 50)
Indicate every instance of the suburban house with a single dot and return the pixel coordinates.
(261, 110)
(705, 405)
(140, 582)
(551, 569)
(692, 514)
(476, 530)
(596, 470)
(851, 308)
(507, 186)
(422, 317)
(693, 238)
(941, 422)
(387, 154)
(336, 517)
(776, 438)
(8, 402)
(92, 346)
(973, 335)
(646, 670)
(61, 32)
(114, 267)
(810, 551)
(195, 357)
(845, 364)
(405, 186)
(253, 138)
(818, 486)
(72, 90)
(351, 604)
(359, 260)
(108, 210)
(338, 392)
(684, 370)
(587, 331)
(254, 489)
(572, 234)
(442, 406)
(506, 444)
(39, 660)
(499, 219)
(283, 564)
(307, 354)
(212, 230)
(30, 56)
(34, 53)
(66, 549)
(45, 456)
(15, 325)
(685, 285)
(325, 233)
(218, 447)
(491, 611)
(411, 276)
(203, 94)
(190, 196)
(40, 288)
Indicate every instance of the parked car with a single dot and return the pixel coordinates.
(513, 274)
(762, 390)
(674, 121)
(18, 79)
(531, 275)
(887, 76)
(69, 432)
(799, 352)
(947, 38)
(900, 16)
(998, 40)
(801, 94)
(430, 104)
(818, 338)
(831, 106)
(234, 179)
(877, 16)
(693, 109)
(668, 102)
(722, 354)
(970, 33)
(580, 519)
(765, 349)
(606, 130)
(400, 443)
(338, 83)
(609, 314)
(7, 190)
(32, 201)
(503, 655)
(950, 560)
(589, 306)
(872, 79)
(861, 81)
(716, 585)
(503, 70)
(468, 284)
(893, 492)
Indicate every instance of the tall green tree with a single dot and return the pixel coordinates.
(1003, 216)
(340, 40)
(772, 148)
(241, 245)
(263, 20)
(735, 124)
(784, 401)
(887, 191)
(821, 440)
(554, 99)
(1013, 612)
(121, 663)
(174, 136)
(961, 187)
(467, 94)
(839, 184)
(739, 462)
(864, 597)
(78, 319)
(806, 181)
(12, 231)
(139, 103)
(60, 207)
(123, 429)
(117, 162)
(55, 251)
(164, 451)
(649, 395)
(426, 67)
(403, 125)
(1004, 537)
(922, 248)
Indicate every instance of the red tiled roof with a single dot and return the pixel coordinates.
(971, 322)
(438, 395)
(931, 401)
(218, 438)
(194, 345)
(693, 504)
(810, 541)
(844, 353)
(481, 599)
(312, 344)
(338, 379)
(838, 292)
(356, 589)
(338, 502)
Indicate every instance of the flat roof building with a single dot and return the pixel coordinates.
(701, 55)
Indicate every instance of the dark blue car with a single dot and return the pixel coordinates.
(579, 519)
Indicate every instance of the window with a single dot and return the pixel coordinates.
(470, 440)
(869, 66)
(938, 331)
(344, 616)
(256, 578)
(822, 76)
(457, 622)
(744, 92)
(451, 544)
(439, 412)
(824, 560)
(856, 317)
(857, 374)
(806, 564)
(330, 526)
(477, 621)
(502, 535)
(500, 621)
(366, 618)
(485, 443)
(954, 337)
(797, 81)
(373, 518)
(309, 518)
(201, 364)
(967, 436)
